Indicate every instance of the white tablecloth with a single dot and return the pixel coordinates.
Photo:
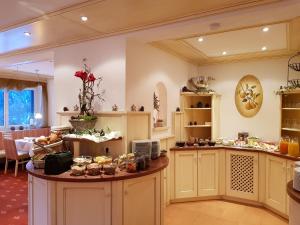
(25, 144)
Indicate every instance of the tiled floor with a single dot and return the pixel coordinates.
(13, 198)
(219, 213)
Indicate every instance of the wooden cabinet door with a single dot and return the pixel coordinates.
(242, 175)
(276, 183)
(289, 176)
(208, 173)
(72, 197)
(141, 204)
(185, 174)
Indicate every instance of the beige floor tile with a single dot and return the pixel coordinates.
(217, 212)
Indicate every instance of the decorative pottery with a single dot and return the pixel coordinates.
(248, 96)
(81, 125)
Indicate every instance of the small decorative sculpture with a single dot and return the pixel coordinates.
(177, 109)
(142, 109)
(65, 109)
(115, 108)
(76, 108)
(133, 108)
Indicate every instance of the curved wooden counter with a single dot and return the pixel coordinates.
(294, 204)
(294, 194)
(122, 199)
(155, 166)
(278, 154)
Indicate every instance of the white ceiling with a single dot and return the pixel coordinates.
(24, 10)
(243, 41)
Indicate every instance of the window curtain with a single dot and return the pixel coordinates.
(42, 95)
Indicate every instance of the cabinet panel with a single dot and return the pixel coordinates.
(72, 198)
(242, 175)
(208, 173)
(142, 201)
(276, 183)
(289, 177)
(185, 174)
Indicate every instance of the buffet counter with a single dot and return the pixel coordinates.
(294, 205)
(223, 147)
(120, 199)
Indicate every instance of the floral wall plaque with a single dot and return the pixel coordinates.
(248, 96)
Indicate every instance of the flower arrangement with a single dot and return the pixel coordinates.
(87, 94)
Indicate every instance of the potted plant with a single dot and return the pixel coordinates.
(86, 118)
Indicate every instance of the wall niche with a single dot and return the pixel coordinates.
(160, 106)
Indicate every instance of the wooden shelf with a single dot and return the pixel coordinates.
(197, 108)
(160, 129)
(291, 109)
(197, 126)
(291, 129)
(196, 94)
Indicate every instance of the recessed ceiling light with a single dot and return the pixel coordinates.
(27, 34)
(264, 48)
(84, 18)
(224, 53)
(200, 39)
(265, 29)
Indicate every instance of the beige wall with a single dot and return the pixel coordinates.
(272, 74)
(145, 67)
(105, 56)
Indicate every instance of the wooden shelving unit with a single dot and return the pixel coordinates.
(290, 114)
(199, 109)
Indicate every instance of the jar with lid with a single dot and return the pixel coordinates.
(284, 144)
(293, 148)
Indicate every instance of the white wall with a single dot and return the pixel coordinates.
(105, 56)
(266, 123)
(145, 67)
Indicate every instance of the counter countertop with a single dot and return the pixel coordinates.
(294, 194)
(278, 154)
(155, 166)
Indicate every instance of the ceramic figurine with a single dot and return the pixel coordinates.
(133, 108)
(206, 105)
(76, 108)
(65, 109)
(199, 105)
(177, 109)
(195, 122)
(142, 109)
(114, 108)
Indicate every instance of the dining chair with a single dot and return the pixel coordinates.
(11, 153)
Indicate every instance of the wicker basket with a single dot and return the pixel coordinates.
(81, 125)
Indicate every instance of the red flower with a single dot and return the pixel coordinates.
(81, 74)
(91, 77)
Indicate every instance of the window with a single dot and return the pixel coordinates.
(1, 108)
(16, 107)
(20, 107)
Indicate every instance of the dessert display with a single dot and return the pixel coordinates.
(110, 169)
(78, 170)
(82, 160)
(93, 169)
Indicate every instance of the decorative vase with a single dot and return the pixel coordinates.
(81, 125)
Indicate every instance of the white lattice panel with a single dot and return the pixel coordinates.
(242, 171)
(242, 174)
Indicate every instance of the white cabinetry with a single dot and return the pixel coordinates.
(208, 173)
(242, 175)
(141, 203)
(276, 183)
(73, 198)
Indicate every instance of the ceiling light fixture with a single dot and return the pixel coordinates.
(264, 48)
(265, 29)
(200, 39)
(84, 18)
(27, 34)
(224, 53)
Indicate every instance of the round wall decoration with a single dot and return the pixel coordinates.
(248, 96)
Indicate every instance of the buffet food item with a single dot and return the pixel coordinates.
(131, 166)
(102, 160)
(93, 169)
(82, 160)
(284, 144)
(109, 169)
(52, 138)
(77, 170)
(38, 160)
